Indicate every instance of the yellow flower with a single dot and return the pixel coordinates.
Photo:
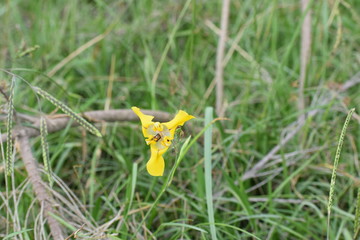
(159, 137)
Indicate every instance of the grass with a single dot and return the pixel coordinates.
(160, 55)
(336, 163)
(208, 170)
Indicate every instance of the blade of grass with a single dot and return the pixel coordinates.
(92, 178)
(12, 235)
(208, 169)
(233, 227)
(336, 162)
(241, 195)
(133, 184)
(130, 193)
(174, 224)
(357, 216)
(65, 223)
(285, 228)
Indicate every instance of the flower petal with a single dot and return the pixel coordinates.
(156, 164)
(179, 120)
(146, 120)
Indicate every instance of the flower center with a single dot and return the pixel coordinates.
(159, 136)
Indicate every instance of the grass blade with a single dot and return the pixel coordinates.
(208, 169)
(336, 162)
(357, 216)
(68, 111)
(184, 225)
(237, 229)
(12, 235)
(130, 191)
(45, 150)
(133, 185)
(9, 127)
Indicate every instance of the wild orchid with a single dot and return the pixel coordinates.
(159, 136)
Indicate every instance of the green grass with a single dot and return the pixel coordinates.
(336, 164)
(161, 56)
(208, 170)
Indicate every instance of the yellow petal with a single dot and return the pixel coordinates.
(179, 120)
(156, 164)
(146, 120)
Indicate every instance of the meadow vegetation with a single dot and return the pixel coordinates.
(261, 171)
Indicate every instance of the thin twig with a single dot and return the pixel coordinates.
(109, 91)
(75, 53)
(4, 94)
(38, 185)
(220, 58)
(75, 233)
(352, 82)
(58, 122)
(305, 52)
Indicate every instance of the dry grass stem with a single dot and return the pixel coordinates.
(220, 53)
(38, 185)
(58, 122)
(75, 53)
(305, 52)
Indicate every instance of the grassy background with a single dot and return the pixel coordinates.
(292, 201)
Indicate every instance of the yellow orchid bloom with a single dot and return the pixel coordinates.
(159, 136)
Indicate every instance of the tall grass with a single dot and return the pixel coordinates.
(165, 59)
(9, 129)
(45, 150)
(335, 167)
(208, 171)
(68, 111)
